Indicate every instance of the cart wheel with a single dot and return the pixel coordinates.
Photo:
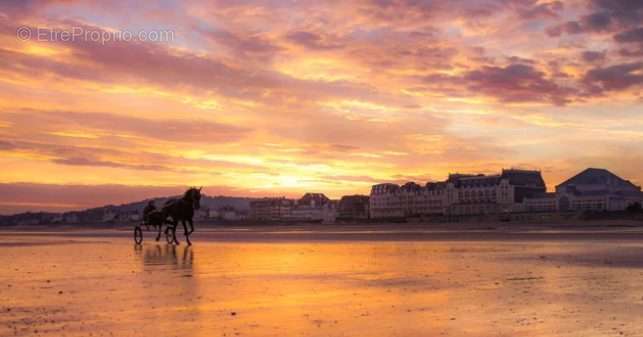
(138, 235)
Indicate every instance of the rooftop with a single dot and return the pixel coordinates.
(598, 176)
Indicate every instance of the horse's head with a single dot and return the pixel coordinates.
(194, 195)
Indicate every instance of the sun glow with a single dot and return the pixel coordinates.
(339, 96)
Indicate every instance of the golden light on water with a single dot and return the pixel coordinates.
(349, 288)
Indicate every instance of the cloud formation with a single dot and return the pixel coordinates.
(517, 83)
(616, 77)
(105, 124)
(339, 95)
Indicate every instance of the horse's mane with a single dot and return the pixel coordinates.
(189, 192)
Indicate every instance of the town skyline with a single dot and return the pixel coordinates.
(122, 194)
(101, 102)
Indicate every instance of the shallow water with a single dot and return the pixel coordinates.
(105, 286)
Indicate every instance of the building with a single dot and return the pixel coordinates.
(229, 213)
(492, 194)
(596, 190)
(213, 214)
(329, 213)
(109, 216)
(409, 199)
(353, 207)
(460, 194)
(70, 218)
(271, 208)
(28, 222)
(476, 194)
(312, 207)
(545, 202)
(385, 202)
(433, 199)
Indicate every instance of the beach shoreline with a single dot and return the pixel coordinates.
(386, 280)
(618, 230)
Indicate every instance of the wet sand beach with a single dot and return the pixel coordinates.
(315, 282)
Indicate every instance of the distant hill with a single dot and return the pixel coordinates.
(116, 213)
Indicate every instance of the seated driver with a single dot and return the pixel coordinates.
(147, 210)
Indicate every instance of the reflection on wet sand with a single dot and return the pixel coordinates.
(378, 288)
(166, 255)
(169, 291)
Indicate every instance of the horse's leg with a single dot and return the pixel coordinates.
(187, 234)
(191, 225)
(168, 227)
(174, 225)
(160, 228)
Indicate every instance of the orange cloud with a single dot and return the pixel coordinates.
(339, 96)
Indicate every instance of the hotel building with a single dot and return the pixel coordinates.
(271, 208)
(385, 201)
(315, 207)
(460, 194)
(353, 207)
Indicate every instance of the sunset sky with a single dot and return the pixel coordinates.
(268, 98)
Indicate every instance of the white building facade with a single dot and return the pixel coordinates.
(459, 195)
(596, 190)
(385, 201)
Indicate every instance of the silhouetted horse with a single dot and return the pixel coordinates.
(181, 210)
